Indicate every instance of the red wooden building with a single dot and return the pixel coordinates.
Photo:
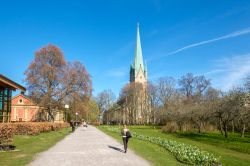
(6, 88)
(23, 109)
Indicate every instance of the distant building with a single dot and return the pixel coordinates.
(6, 88)
(23, 109)
(138, 75)
(59, 116)
(132, 108)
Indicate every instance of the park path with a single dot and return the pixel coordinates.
(88, 147)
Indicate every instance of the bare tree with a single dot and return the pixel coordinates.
(94, 111)
(187, 84)
(247, 84)
(201, 84)
(133, 95)
(166, 89)
(76, 79)
(105, 100)
(193, 85)
(227, 110)
(50, 80)
(153, 102)
(242, 103)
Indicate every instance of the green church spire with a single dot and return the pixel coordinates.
(138, 70)
(138, 61)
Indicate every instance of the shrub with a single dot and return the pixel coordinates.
(6, 133)
(7, 130)
(45, 127)
(34, 128)
(170, 127)
(95, 123)
(210, 127)
(26, 128)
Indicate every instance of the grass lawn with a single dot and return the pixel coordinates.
(233, 151)
(233, 142)
(29, 146)
(151, 152)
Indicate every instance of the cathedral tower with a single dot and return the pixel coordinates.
(138, 70)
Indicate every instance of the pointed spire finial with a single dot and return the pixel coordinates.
(138, 61)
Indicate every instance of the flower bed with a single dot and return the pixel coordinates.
(7, 130)
(185, 153)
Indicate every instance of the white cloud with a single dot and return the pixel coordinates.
(231, 71)
(215, 71)
(231, 35)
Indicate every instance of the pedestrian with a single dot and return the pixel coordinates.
(125, 137)
(72, 125)
(85, 124)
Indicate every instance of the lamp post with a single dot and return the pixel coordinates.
(76, 115)
(66, 107)
(99, 119)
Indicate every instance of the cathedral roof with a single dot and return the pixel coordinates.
(138, 61)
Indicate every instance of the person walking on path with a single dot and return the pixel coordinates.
(125, 137)
(85, 124)
(72, 125)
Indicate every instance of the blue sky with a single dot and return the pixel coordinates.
(203, 37)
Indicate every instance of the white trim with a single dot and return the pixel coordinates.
(21, 106)
(15, 115)
(25, 114)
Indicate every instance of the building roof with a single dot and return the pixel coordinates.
(22, 95)
(30, 102)
(6, 82)
(138, 61)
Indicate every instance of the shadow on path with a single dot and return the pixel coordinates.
(115, 148)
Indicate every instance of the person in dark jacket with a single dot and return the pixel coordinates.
(72, 125)
(125, 138)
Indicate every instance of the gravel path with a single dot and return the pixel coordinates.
(88, 147)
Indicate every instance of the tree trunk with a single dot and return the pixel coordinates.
(232, 126)
(243, 130)
(51, 116)
(221, 130)
(199, 127)
(225, 129)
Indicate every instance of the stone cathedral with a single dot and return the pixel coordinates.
(133, 108)
(138, 75)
